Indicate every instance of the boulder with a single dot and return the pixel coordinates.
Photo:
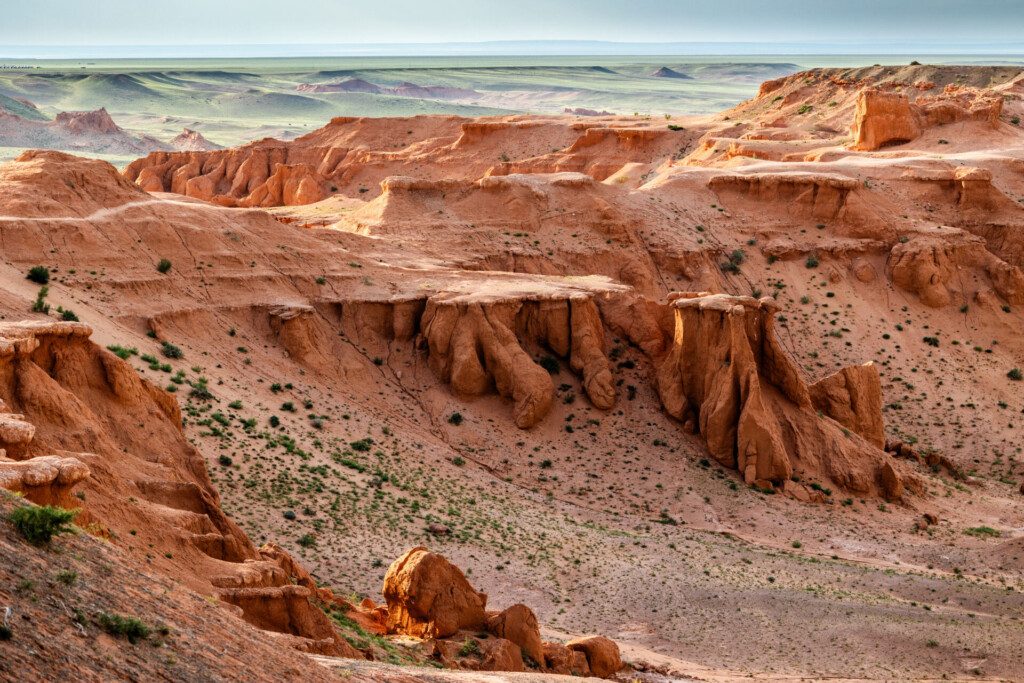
(559, 659)
(519, 624)
(602, 654)
(429, 597)
(468, 651)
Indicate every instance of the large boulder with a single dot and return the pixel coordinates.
(559, 659)
(429, 597)
(479, 654)
(519, 624)
(602, 654)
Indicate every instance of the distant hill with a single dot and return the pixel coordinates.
(22, 108)
(665, 72)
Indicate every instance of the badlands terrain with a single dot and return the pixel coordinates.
(741, 392)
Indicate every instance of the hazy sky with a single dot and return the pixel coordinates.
(189, 22)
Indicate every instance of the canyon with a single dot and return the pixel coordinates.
(563, 395)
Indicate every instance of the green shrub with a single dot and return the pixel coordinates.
(123, 627)
(1015, 374)
(39, 275)
(363, 445)
(40, 305)
(455, 419)
(982, 531)
(170, 350)
(164, 266)
(200, 391)
(39, 524)
(122, 352)
(469, 648)
(307, 541)
(811, 262)
(67, 315)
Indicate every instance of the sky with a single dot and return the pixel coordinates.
(348, 22)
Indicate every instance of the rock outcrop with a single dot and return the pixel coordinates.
(727, 378)
(885, 118)
(853, 398)
(428, 597)
(474, 344)
(192, 141)
(86, 418)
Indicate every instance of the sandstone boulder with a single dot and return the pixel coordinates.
(468, 651)
(559, 659)
(429, 597)
(45, 480)
(519, 624)
(602, 654)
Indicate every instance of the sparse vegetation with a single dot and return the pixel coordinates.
(39, 524)
(39, 275)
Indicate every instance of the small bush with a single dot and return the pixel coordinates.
(39, 275)
(170, 350)
(123, 627)
(164, 266)
(931, 341)
(469, 648)
(307, 541)
(1015, 374)
(40, 305)
(122, 352)
(67, 315)
(200, 390)
(982, 531)
(362, 446)
(225, 460)
(811, 262)
(39, 524)
(455, 419)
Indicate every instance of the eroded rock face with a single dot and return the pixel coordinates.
(883, 118)
(429, 597)
(727, 378)
(73, 396)
(469, 651)
(45, 480)
(925, 265)
(888, 118)
(559, 659)
(853, 398)
(474, 345)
